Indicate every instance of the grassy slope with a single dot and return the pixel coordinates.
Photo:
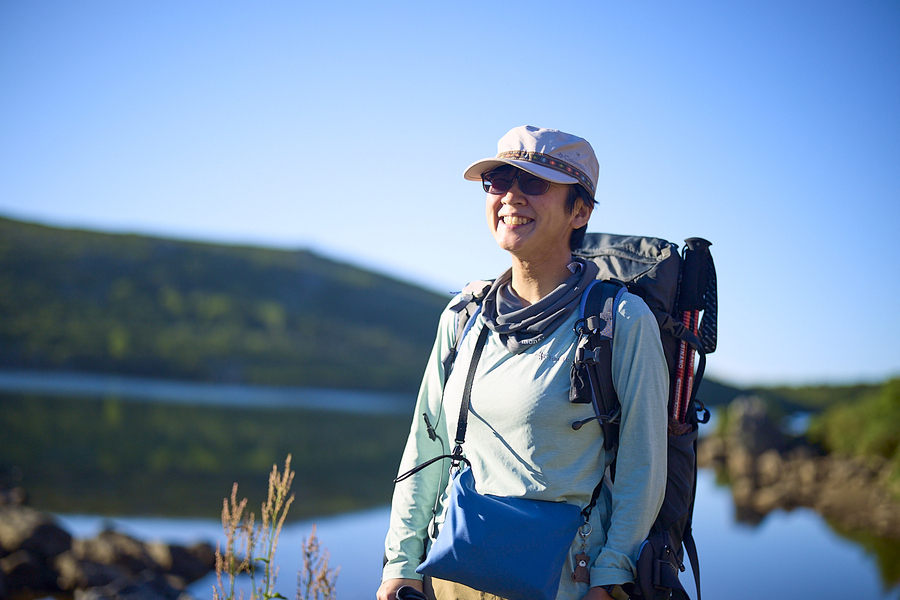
(163, 308)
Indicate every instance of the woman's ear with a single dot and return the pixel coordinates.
(582, 213)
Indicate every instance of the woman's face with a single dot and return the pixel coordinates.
(532, 227)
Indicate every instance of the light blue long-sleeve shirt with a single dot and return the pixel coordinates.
(521, 443)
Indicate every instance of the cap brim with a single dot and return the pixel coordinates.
(474, 171)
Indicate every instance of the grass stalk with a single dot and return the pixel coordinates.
(247, 546)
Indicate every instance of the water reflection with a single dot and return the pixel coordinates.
(789, 554)
(769, 471)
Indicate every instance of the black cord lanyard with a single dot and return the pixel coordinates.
(457, 456)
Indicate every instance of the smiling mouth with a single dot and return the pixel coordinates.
(515, 220)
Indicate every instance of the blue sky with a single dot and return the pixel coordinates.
(770, 128)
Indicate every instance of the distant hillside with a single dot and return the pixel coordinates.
(135, 305)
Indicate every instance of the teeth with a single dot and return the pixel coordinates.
(515, 220)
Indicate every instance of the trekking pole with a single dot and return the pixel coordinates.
(675, 408)
(690, 320)
(692, 294)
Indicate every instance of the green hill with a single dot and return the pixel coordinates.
(134, 305)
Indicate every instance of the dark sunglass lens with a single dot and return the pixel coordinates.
(497, 182)
(533, 186)
(500, 180)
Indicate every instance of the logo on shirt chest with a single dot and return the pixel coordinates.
(542, 355)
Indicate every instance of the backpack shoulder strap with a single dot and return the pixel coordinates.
(592, 368)
(466, 308)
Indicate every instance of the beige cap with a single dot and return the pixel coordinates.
(548, 153)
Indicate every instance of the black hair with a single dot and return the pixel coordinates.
(577, 191)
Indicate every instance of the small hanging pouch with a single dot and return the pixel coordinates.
(512, 547)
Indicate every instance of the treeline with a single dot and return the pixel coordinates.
(135, 305)
(867, 426)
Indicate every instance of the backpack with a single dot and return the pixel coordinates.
(676, 287)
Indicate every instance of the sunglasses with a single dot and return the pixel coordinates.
(500, 180)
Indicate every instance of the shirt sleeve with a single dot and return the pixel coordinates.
(641, 380)
(415, 498)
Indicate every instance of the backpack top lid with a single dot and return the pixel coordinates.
(651, 264)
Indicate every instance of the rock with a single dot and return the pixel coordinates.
(77, 573)
(161, 553)
(115, 548)
(741, 464)
(751, 428)
(147, 586)
(766, 500)
(711, 451)
(192, 562)
(23, 528)
(25, 570)
(742, 490)
(30, 540)
(188, 564)
(769, 468)
(39, 558)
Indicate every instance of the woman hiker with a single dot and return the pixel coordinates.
(520, 441)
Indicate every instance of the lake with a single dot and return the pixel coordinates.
(787, 555)
(88, 385)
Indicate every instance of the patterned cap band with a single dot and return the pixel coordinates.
(549, 161)
(549, 153)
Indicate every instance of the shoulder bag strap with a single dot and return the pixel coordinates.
(463, 420)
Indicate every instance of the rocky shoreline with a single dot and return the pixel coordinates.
(768, 469)
(39, 558)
